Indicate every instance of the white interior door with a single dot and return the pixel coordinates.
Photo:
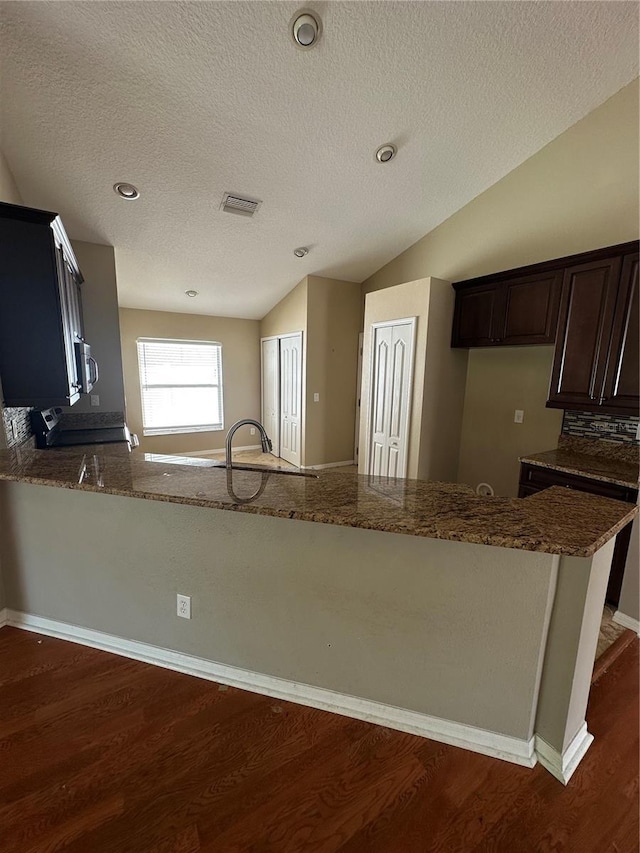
(356, 449)
(291, 398)
(391, 384)
(271, 391)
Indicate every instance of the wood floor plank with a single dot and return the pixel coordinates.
(101, 754)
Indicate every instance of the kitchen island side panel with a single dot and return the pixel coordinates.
(453, 630)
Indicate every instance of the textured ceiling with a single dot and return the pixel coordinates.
(188, 100)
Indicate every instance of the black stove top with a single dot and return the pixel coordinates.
(49, 432)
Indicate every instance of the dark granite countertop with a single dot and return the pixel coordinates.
(555, 521)
(595, 460)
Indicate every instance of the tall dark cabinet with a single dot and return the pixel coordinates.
(41, 329)
(595, 365)
(622, 376)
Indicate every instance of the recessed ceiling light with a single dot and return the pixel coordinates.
(306, 28)
(125, 190)
(301, 252)
(386, 152)
(191, 293)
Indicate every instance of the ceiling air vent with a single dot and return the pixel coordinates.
(232, 203)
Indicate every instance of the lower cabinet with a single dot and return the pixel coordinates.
(534, 478)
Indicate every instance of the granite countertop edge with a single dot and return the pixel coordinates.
(542, 543)
(575, 469)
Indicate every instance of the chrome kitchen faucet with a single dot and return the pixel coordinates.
(266, 441)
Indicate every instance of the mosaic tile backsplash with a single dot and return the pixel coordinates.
(16, 426)
(599, 426)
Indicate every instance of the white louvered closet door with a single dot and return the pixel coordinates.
(391, 384)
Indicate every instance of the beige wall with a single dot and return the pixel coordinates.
(289, 315)
(445, 374)
(499, 381)
(101, 325)
(240, 341)
(334, 311)
(578, 193)
(438, 388)
(8, 188)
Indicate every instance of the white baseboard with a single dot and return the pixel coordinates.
(328, 465)
(217, 450)
(563, 765)
(4, 617)
(627, 621)
(515, 750)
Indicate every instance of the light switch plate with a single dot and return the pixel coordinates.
(518, 418)
(316, 397)
(95, 399)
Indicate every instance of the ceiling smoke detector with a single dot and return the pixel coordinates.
(243, 206)
(126, 191)
(301, 251)
(386, 152)
(191, 293)
(306, 28)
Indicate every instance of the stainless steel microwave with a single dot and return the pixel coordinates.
(87, 367)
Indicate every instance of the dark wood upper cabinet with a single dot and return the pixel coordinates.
(587, 306)
(595, 366)
(476, 317)
(519, 310)
(531, 309)
(40, 310)
(622, 376)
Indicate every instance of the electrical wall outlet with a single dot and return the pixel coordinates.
(95, 399)
(184, 606)
(518, 418)
(253, 430)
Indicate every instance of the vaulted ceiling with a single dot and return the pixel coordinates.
(189, 100)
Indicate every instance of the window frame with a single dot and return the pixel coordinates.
(184, 428)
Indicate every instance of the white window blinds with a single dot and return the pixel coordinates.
(181, 386)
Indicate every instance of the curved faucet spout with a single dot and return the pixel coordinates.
(264, 438)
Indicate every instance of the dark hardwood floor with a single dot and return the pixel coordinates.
(99, 754)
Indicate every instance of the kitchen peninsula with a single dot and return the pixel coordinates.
(476, 626)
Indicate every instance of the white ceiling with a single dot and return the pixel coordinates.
(188, 100)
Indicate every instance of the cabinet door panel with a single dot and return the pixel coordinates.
(531, 309)
(621, 391)
(584, 329)
(475, 320)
